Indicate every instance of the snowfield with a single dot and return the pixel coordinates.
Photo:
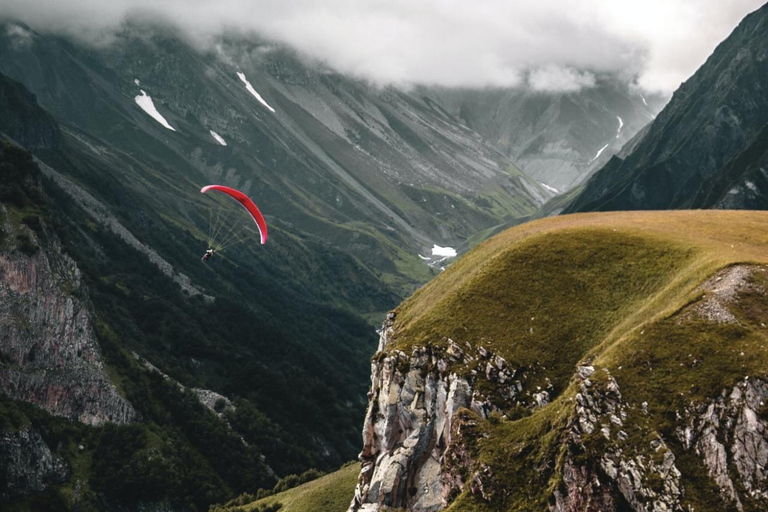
(251, 90)
(446, 252)
(146, 104)
(218, 138)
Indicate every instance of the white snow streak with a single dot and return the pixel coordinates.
(643, 98)
(621, 125)
(424, 258)
(599, 153)
(551, 189)
(218, 138)
(253, 91)
(145, 102)
(447, 252)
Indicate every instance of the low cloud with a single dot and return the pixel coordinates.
(551, 45)
(559, 79)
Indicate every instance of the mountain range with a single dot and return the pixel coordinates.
(707, 148)
(576, 363)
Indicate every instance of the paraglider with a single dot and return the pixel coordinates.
(232, 234)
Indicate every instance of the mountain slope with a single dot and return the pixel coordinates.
(705, 149)
(615, 359)
(556, 138)
(373, 171)
(91, 309)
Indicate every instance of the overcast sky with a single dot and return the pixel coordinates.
(542, 44)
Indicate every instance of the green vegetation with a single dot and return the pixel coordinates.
(516, 305)
(329, 493)
(615, 290)
(257, 352)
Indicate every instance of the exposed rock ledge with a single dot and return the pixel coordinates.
(408, 423)
(51, 357)
(27, 464)
(414, 455)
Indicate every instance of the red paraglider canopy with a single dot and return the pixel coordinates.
(247, 204)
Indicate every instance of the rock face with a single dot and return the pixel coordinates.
(409, 422)
(422, 419)
(707, 148)
(27, 464)
(638, 479)
(730, 434)
(51, 355)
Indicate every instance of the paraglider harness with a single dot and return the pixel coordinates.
(208, 254)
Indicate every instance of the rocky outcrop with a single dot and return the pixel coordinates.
(730, 434)
(50, 355)
(410, 421)
(27, 464)
(623, 476)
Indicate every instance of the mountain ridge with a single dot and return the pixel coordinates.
(703, 133)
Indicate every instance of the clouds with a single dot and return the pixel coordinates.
(547, 45)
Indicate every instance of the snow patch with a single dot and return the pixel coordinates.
(643, 98)
(146, 104)
(218, 138)
(447, 252)
(621, 125)
(751, 186)
(424, 258)
(599, 153)
(251, 90)
(136, 81)
(551, 189)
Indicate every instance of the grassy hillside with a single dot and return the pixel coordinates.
(329, 493)
(621, 291)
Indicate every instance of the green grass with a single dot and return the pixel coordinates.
(611, 289)
(329, 493)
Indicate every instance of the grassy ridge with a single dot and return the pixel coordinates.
(609, 288)
(613, 289)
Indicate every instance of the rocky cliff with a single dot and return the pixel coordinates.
(28, 466)
(663, 411)
(50, 353)
(409, 422)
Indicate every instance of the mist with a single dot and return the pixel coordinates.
(552, 45)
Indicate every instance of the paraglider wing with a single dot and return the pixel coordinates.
(247, 204)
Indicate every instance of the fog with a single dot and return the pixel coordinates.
(548, 45)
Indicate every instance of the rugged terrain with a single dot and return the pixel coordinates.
(109, 350)
(593, 362)
(377, 172)
(707, 148)
(598, 362)
(558, 138)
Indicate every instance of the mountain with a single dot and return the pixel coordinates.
(612, 362)
(136, 377)
(378, 172)
(124, 385)
(706, 149)
(557, 138)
